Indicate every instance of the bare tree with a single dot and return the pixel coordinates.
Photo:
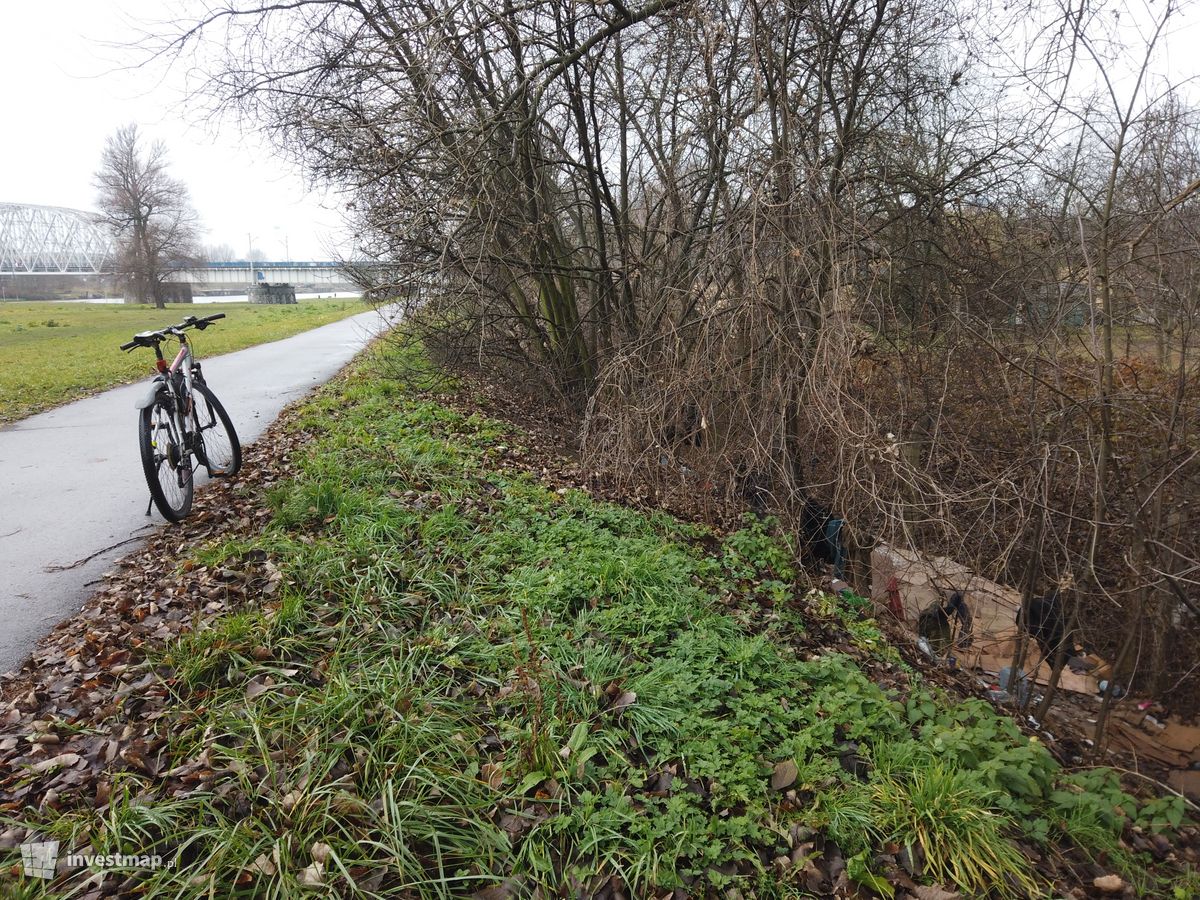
(149, 210)
(221, 253)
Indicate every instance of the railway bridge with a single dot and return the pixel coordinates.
(48, 242)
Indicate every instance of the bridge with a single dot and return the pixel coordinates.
(55, 240)
(242, 274)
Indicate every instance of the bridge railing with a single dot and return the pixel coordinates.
(269, 264)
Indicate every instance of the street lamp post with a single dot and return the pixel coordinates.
(251, 281)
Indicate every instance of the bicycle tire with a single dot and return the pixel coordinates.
(174, 463)
(216, 413)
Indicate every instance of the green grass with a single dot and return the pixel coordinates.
(52, 353)
(478, 678)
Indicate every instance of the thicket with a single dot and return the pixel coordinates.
(932, 266)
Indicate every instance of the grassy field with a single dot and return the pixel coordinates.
(52, 353)
(478, 682)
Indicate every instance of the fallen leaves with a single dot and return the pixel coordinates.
(289, 801)
(784, 775)
(258, 686)
(313, 875)
(57, 762)
(87, 704)
(493, 774)
(263, 865)
(623, 702)
(932, 892)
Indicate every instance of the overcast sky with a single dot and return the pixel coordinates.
(64, 92)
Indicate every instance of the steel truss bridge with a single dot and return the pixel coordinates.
(52, 240)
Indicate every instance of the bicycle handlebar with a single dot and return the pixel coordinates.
(147, 337)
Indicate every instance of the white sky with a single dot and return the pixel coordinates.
(63, 91)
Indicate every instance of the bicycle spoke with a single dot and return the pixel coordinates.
(213, 445)
(169, 461)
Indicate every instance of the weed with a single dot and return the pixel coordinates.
(956, 822)
(474, 678)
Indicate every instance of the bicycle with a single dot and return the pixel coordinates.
(174, 429)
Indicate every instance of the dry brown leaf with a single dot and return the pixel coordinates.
(312, 876)
(932, 892)
(626, 700)
(56, 762)
(785, 775)
(493, 774)
(256, 687)
(262, 865)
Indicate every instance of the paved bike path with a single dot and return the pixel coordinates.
(71, 479)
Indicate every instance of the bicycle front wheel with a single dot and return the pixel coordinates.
(165, 461)
(217, 445)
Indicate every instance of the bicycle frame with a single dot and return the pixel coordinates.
(182, 359)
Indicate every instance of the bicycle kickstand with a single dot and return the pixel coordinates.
(149, 504)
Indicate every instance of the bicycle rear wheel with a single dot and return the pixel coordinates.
(165, 461)
(217, 445)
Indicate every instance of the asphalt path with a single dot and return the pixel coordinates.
(71, 481)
